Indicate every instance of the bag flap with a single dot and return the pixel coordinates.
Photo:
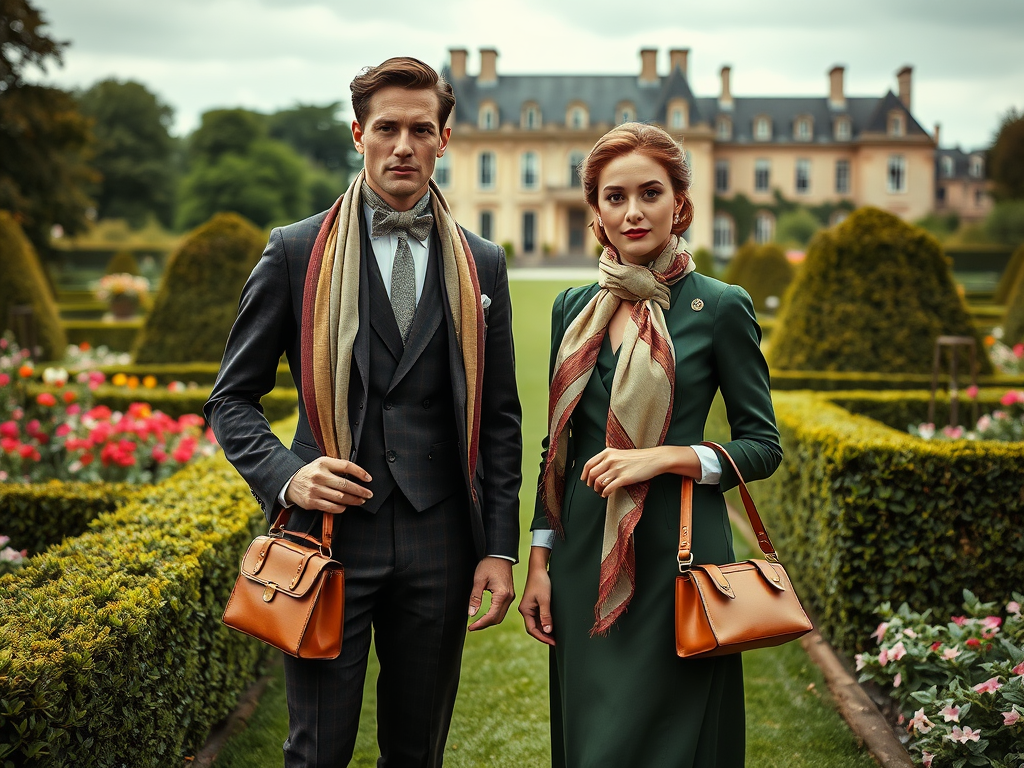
(718, 575)
(291, 567)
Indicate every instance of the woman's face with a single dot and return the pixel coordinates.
(637, 207)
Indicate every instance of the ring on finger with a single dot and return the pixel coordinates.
(344, 483)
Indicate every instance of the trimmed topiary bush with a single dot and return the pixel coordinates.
(1013, 321)
(873, 295)
(704, 262)
(123, 263)
(764, 271)
(24, 283)
(198, 298)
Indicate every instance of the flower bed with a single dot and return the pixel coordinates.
(959, 685)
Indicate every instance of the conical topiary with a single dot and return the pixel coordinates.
(23, 283)
(1010, 277)
(873, 295)
(764, 271)
(123, 263)
(198, 297)
(1013, 321)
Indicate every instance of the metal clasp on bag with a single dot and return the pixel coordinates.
(772, 558)
(268, 593)
(684, 565)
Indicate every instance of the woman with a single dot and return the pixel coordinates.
(636, 361)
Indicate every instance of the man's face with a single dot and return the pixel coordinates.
(400, 143)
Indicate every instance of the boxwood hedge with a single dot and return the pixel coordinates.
(862, 513)
(112, 652)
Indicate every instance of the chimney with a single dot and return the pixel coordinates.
(725, 100)
(677, 58)
(903, 78)
(488, 66)
(936, 136)
(649, 66)
(836, 97)
(458, 58)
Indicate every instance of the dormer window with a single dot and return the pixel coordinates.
(947, 167)
(678, 120)
(488, 117)
(625, 113)
(843, 130)
(977, 168)
(530, 120)
(723, 128)
(678, 115)
(578, 119)
(762, 129)
(897, 127)
(803, 130)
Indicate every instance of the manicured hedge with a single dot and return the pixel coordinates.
(165, 373)
(38, 515)
(112, 652)
(119, 336)
(900, 409)
(862, 514)
(829, 381)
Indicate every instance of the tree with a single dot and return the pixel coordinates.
(1006, 159)
(797, 227)
(134, 151)
(315, 132)
(45, 141)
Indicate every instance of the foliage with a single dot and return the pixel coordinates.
(863, 513)
(1006, 359)
(317, 133)
(235, 167)
(1014, 269)
(837, 381)
(39, 515)
(23, 283)
(796, 227)
(1005, 222)
(11, 559)
(116, 336)
(873, 295)
(1013, 321)
(964, 678)
(743, 212)
(122, 262)
(939, 225)
(134, 151)
(1005, 424)
(763, 271)
(198, 297)
(177, 400)
(118, 631)
(24, 42)
(704, 261)
(1006, 158)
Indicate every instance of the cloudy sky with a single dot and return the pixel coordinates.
(266, 54)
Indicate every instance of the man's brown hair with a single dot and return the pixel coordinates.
(405, 72)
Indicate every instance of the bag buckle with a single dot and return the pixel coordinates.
(268, 593)
(684, 565)
(772, 558)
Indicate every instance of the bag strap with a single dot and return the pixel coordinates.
(327, 529)
(685, 557)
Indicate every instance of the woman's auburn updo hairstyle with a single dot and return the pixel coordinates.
(651, 141)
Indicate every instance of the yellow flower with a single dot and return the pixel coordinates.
(119, 380)
(149, 382)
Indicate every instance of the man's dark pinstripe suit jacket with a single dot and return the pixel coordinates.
(268, 324)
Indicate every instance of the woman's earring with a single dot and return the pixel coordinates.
(599, 222)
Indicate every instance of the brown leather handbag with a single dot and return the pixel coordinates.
(289, 595)
(722, 609)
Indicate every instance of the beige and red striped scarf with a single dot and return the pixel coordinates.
(641, 402)
(330, 319)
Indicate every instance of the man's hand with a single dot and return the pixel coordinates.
(321, 485)
(494, 575)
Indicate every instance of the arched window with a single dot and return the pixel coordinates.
(577, 117)
(575, 160)
(488, 118)
(530, 118)
(762, 128)
(843, 129)
(723, 129)
(764, 228)
(977, 169)
(678, 115)
(724, 238)
(625, 112)
(803, 128)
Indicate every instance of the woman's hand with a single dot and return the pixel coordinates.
(536, 603)
(614, 468)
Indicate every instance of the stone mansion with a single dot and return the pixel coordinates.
(510, 170)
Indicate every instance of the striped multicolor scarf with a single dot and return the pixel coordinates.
(330, 320)
(641, 402)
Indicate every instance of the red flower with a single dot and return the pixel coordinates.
(28, 452)
(63, 430)
(4, 379)
(9, 444)
(69, 396)
(9, 429)
(86, 459)
(959, 620)
(935, 646)
(33, 427)
(974, 643)
(99, 413)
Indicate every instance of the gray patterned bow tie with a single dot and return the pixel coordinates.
(415, 222)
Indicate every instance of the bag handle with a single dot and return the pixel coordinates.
(327, 528)
(685, 557)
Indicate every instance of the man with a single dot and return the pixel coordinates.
(397, 328)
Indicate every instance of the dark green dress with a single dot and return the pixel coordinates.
(626, 699)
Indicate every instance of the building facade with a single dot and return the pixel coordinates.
(517, 140)
(961, 186)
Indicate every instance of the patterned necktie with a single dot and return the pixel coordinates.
(416, 222)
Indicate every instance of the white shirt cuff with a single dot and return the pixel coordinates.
(284, 490)
(543, 537)
(504, 557)
(710, 465)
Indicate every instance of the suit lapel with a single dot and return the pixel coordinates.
(361, 345)
(428, 316)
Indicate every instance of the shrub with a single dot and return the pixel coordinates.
(1013, 322)
(1014, 269)
(119, 336)
(873, 295)
(123, 262)
(111, 647)
(1005, 224)
(796, 227)
(704, 262)
(833, 381)
(864, 514)
(764, 271)
(24, 283)
(941, 225)
(42, 514)
(198, 298)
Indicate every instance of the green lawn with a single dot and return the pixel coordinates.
(501, 714)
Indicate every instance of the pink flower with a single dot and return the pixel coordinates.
(1018, 351)
(1019, 669)
(879, 633)
(63, 430)
(859, 658)
(1011, 717)
(897, 652)
(1013, 607)
(965, 735)
(991, 622)
(971, 391)
(920, 723)
(897, 681)
(951, 653)
(910, 633)
(883, 657)
(926, 759)
(4, 379)
(73, 410)
(951, 714)
(989, 686)
(1011, 398)
(9, 429)
(959, 620)
(953, 433)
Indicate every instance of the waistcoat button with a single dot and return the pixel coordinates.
(391, 456)
(426, 403)
(387, 405)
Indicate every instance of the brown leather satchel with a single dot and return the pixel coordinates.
(289, 595)
(723, 609)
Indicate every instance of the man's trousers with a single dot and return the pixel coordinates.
(408, 577)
